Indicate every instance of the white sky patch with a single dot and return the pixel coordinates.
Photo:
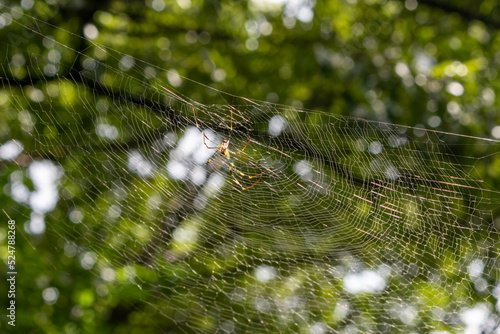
(186, 234)
(35, 94)
(158, 5)
(198, 175)
(496, 292)
(202, 154)
(50, 295)
(90, 31)
(218, 75)
(108, 274)
(192, 144)
(88, 260)
(455, 88)
(434, 121)
(89, 64)
(252, 44)
(475, 268)
(495, 132)
(214, 184)
(227, 326)
(480, 284)
(45, 177)
(191, 147)
(402, 69)
(341, 310)
(76, 216)
(392, 173)
(303, 168)
(266, 5)
(305, 14)
(126, 63)
(474, 318)
(177, 170)
(27, 4)
(10, 150)
(276, 125)
(174, 78)
(5, 20)
(26, 119)
(488, 96)
(424, 62)
(70, 249)
(54, 56)
(262, 305)
(114, 211)
(200, 202)
(105, 130)
(265, 273)
(50, 69)
(170, 139)
(266, 28)
(419, 130)
(300, 9)
(375, 147)
(18, 60)
(384, 270)
(36, 223)
(149, 72)
(18, 190)
(397, 141)
(368, 281)
(16, 12)
(318, 328)
(454, 109)
(138, 164)
(408, 314)
(460, 69)
(184, 4)
(252, 28)
(293, 302)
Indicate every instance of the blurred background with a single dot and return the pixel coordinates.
(117, 235)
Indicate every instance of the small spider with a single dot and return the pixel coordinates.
(223, 149)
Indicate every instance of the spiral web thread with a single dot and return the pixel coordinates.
(356, 225)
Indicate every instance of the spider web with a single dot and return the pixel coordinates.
(356, 225)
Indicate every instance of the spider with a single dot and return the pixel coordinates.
(223, 149)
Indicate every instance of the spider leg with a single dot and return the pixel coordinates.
(251, 185)
(233, 169)
(239, 172)
(235, 181)
(203, 133)
(231, 120)
(195, 118)
(206, 163)
(239, 184)
(242, 148)
(204, 142)
(223, 149)
(231, 132)
(243, 174)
